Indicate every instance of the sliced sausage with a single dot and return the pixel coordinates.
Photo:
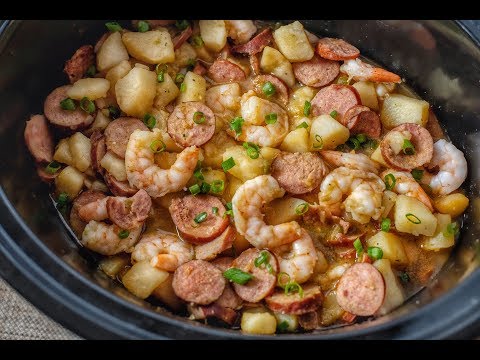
(229, 298)
(117, 133)
(211, 249)
(281, 89)
(263, 282)
(223, 263)
(335, 97)
(100, 42)
(360, 119)
(79, 63)
(215, 310)
(199, 282)
(309, 321)
(421, 140)
(199, 69)
(255, 45)
(119, 188)
(98, 151)
(84, 198)
(182, 37)
(298, 173)
(361, 289)
(433, 126)
(182, 128)
(45, 176)
(254, 64)
(39, 139)
(316, 72)
(129, 213)
(336, 49)
(66, 119)
(224, 71)
(185, 209)
(294, 303)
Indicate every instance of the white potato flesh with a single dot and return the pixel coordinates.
(152, 47)
(394, 295)
(443, 238)
(62, 153)
(293, 42)
(165, 293)
(184, 55)
(101, 121)
(327, 133)
(400, 109)
(388, 202)
(392, 247)
(166, 92)
(378, 157)
(92, 88)
(331, 311)
(296, 103)
(114, 165)
(70, 181)
(245, 168)
(142, 279)
(283, 210)
(296, 141)
(194, 88)
(116, 73)
(111, 52)
(215, 148)
(258, 323)
(213, 33)
(273, 62)
(413, 217)
(368, 95)
(80, 148)
(112, 265)
(289, 319)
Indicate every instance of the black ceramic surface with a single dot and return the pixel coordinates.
(39, 257)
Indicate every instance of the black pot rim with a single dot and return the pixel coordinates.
(50, 295)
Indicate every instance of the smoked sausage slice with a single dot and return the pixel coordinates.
(79, 63)
(255, 45)
(316, 72)
(224, 71)
(337, 98)
(86, 197)
(117, 134)
(294, 303)
(281, 89)
(336, 49)
(211, 249)
(360, 119)
(39, 139)
(97, 151)
(129, 213)
(119, 188)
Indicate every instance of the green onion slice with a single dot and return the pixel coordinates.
(268, 88)
(293, 287)
(229, 205)
(198, 117)
(354, 143)
(307, 107)
(271, 118)
(404, 277)
(183, 87)
(283, 326)
(113, 26)
(303, 125)
(218, 186)
(451, 229)
(413, 219)
(143, 26)
(198, 174)
(357, 244)
(334, 114)
(390, 181)
(362, 138)
(319, 140)
(201, 217)
(123, 234)
(179, 78)
(417, 174)
(302, 208)
(160, 77)
(157, 146)
(280, 278)
(149, 120)
(113, 112)
(385, 225)
(52, 167)
(262, 258)
(91, 71)
(375, 252)
(236, 125)
(87, 105)
(68, 104)
(197, 41)
(228, 164)
(214, 210)
(194, 189)
(237, 276)
(205, 188)
(253, 151)
(408, 148)
(182, 24)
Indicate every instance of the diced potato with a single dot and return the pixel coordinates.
(293, 42)
(367, 93)
(62, 153)
(135, 92)
(399, 109)
(70, 181)
(164, 292)
(289, 319)
(161, 117)
(282, 210)
(111, 52)
(327, 133)
(96, 185)
(184, 55)
(377, 156)
(258, 322)
(274, 62)
(166, 92)
(80, 148)
(240, 244)
(215, 148)
(231, 187)
(209, 176)
(388, 201)
(296, 141)
(394, 296)
(112, 265)
(92, 88)
(452, 204)
(413, 217)
(331, 311)
(213, 33)
(152, 47)
(116, 73)
(101, 121)
(142, 279)
(296, 103)
(245, 168)
(114, 165)
(392, 247)
(195, 88)
(268, 154)
(321, 266)
(442, 238)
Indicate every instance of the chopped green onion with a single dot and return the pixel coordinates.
(183, 87)
(413, 219)
(271, 118)
(228, 213)
(160, 77)
(194, 189)
(362, 138)
(302, 208)
(293, 287)
(375, 253)
(229, 205)
(214, 210)
(113, 112)
(280, 283)
(319, 140)
(408, 148)
(390, 181)
(334, 114)
(53, 167)
(343, 80)
(452, 229)
(217, 186)
(191, 63)
(404, 277)
(123, 234)
(236, 125)
(68, 104)
(303, 125)
(228, 164)
(197, 41)
(307, 107)
(198, 117)
(198, 174)
(357, 244)
(179, 78)
(237, 276)
(182, 24)
(253, 151)
(283, 326)
(149, 120)
(205, 188)
(113, 26)
(62, 202)
(91, 71)
(268, 88)
(157, 146)
(200, 217)
(143, 26)
(372, 144)
(385, 226)
(417, 174)
(263, 258)
(161, 68)
(87, 105)
(354, 143)
(269, 268)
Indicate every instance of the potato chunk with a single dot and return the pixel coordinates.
(367, 93)
(70, 181)
(195, 87)
(245, 168)
(296, 103)
(166, 92)
(392, 247)
(413, 217)
(452, 204)
(142, 279)
(399, 109)
(258, 322)
(80, 148)
(213, 33)
(394, 295)
(443, 238)
(115, 166)
(289, 319)
(116, 73)
(92, 88)
(111, 52)
(378, 157)
(275, 63)
(296, 141)
(215, 148)
(62, 153)
(293, 42)
(184, 54)
(152, 47)
(283, 210)
(327, 133)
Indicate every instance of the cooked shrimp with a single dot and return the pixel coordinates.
(358, 70)
(164, 250)
(247, 212)
(108, 239)
(224, 100)
(364, 190)
(96, 210)
(405, 184)
(452, 168)
(297, 259)
(143, 173)
(350, 160)
(240, 30)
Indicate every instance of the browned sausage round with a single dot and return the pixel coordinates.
(98, 151)
(294, 303)
(79, 63)
(421, 140)
(263, 282)
(39, 139)
(281, 90)
(199, 69)
(224, 71)
(360, 119)
(211, 249)
(118, 132)
(119, 188)
(254, 64)
(45, 176)
(229, 298)
(84, 198)
(316, 72)
(336, 49)
(199, 282)
(433, 126)
(298, 173)
(215, 310)
(223, 263)
(184, 130)
(309, 321)
(182, 37)
(185, 209)
(361, 289)
(256, 44)
(66, 119)
(129, 213)
(335, 97)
